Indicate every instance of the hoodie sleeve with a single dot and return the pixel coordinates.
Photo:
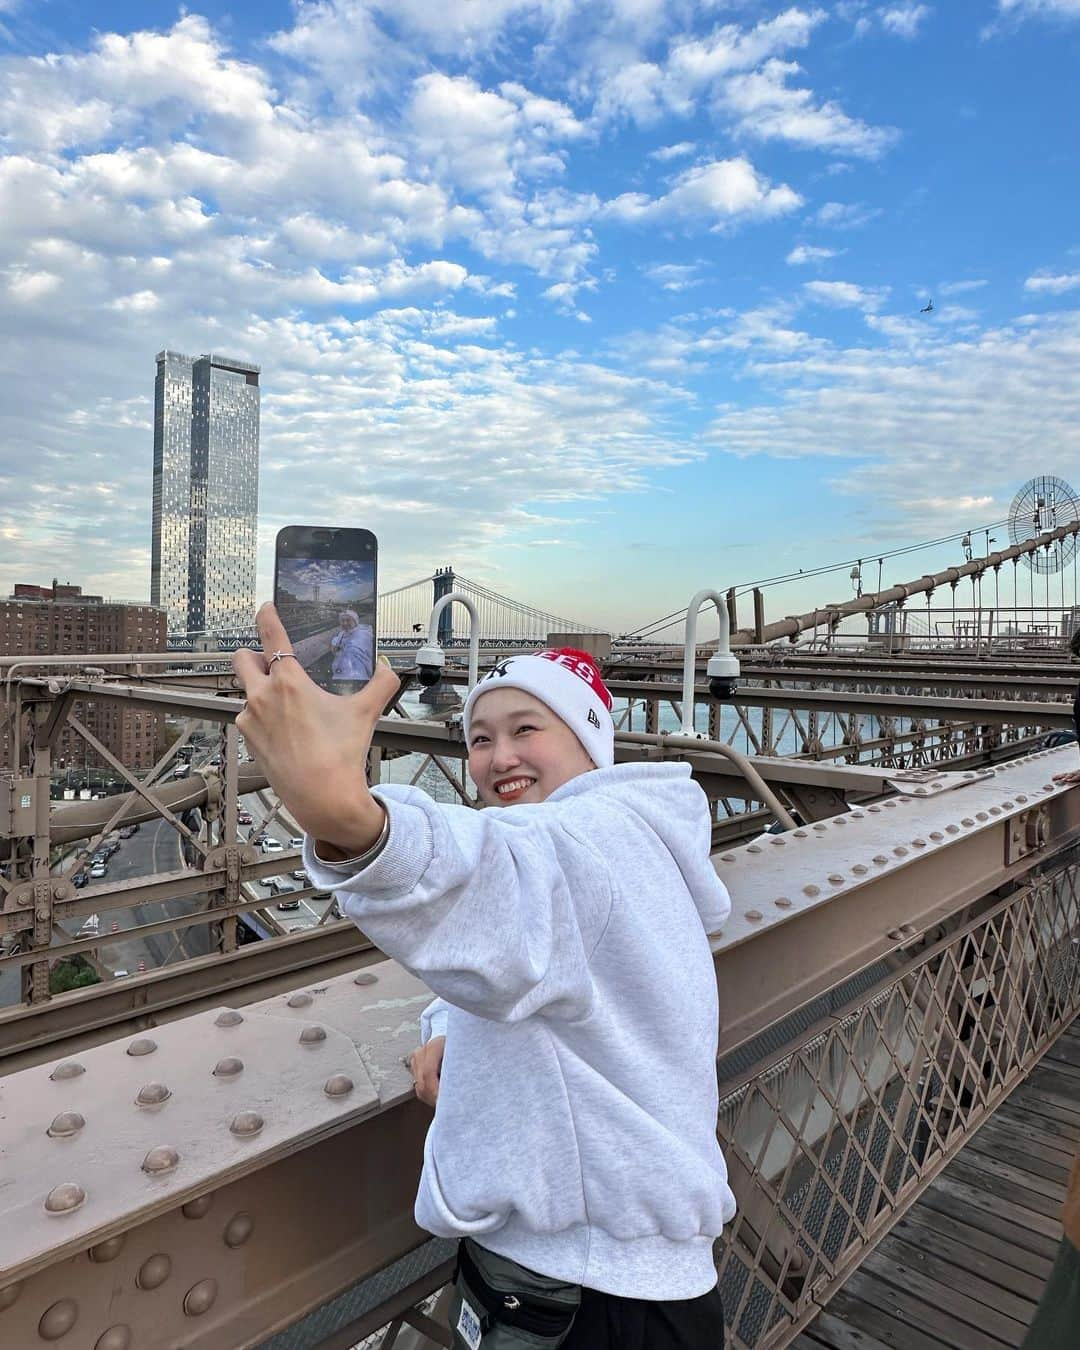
(433, 1020)
(497, 912)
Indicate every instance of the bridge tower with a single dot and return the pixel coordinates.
(444, 584)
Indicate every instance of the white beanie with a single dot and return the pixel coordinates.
(570, 684)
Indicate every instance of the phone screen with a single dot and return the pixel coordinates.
(325, 591)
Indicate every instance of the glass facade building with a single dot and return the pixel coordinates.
(206, 492)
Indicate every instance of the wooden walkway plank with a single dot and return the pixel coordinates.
(882, 1322)
(1064, 1051)
(1047, 1148)
(972, 1198)
(827, 1332)
(987, 1255)
(1023, 1118)
(986, 1159)
(942, 1286)
(916, 1315)
(1049, 1090)
(963, 1169)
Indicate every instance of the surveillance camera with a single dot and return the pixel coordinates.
(722, 673)
(429, 665)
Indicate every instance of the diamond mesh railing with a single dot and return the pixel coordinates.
(833, 1139)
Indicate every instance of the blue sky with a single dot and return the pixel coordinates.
(599, 302)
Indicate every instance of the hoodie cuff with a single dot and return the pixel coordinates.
(399, 865)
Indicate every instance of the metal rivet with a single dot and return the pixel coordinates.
(1048, 787)
(152, 1094)
(890, 805)
(116, 1338)
(727, 857)
(143, 1046)
(920, 792)
(154, 1271)
(69, 1069)
(228, 1067)
(239, 1228)
(341, 1085)
(860, 869)
(952, 829)
(811, 890)
(65, 1198)
(981, 815)
(969, 775)
(836, 878)
(9, 1294)
(936, 835)
(777, 839)
(298, 1000)
(1007, 806)
(58, 1320)
(918, 843)
(839, 821)
(197, 1209)
(246, 1123)
(967, 820)
(1020, 797)
(900, 851)
(995, 810)
(229, 1018)
(365, 977)
(875, 810)
(162, 1158)
(799, 834)
(108, 1250)
(894, 935)
(200, 1298)
(753, 848)
(820, 825)
(880, 859)
(312, 1035)
(857, 815)
(782, 902)
(66, 1124)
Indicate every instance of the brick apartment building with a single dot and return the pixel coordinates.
(58, 620)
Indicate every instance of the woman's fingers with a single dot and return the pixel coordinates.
(248, 667)
(272, 630)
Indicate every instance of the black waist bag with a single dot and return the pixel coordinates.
(500, 1305)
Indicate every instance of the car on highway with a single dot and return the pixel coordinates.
(98, 870)
(128, 831)
(243, 817)
(301, 876)
(120, 974)
(272, 845)
(294, 842)
(285, 886)
(79, 880)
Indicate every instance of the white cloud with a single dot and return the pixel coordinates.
(674, 276)
(1048, 284)
(719, 192)
(1060, 9)
(904, 20)
(809, 253)
(669, 152)
(846, 295)
(960, 287)
(768, 108)
(845, 215)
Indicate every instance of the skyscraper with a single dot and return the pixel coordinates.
(206, 492)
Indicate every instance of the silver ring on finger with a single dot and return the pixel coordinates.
(280, 656)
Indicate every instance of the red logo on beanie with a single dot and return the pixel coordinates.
(584, 667)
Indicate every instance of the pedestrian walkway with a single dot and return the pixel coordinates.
(966, 1266)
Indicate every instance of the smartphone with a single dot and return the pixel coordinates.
(325, 591)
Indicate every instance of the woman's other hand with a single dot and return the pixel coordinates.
(425, 1064)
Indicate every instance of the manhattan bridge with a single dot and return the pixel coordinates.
(211, 1133)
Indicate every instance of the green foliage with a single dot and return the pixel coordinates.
(73, 972)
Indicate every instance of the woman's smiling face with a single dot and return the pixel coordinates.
(519, 750)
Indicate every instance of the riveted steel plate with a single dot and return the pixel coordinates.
(129, 1161)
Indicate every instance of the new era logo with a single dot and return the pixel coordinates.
(593, 719)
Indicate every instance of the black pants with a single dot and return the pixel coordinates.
(605, 1322)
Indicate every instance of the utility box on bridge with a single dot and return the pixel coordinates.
(598, 645)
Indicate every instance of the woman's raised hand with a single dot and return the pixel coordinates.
(312, 745)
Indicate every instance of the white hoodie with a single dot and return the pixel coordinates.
(576, 1123)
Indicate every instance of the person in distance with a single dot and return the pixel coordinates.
(572, 1045)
